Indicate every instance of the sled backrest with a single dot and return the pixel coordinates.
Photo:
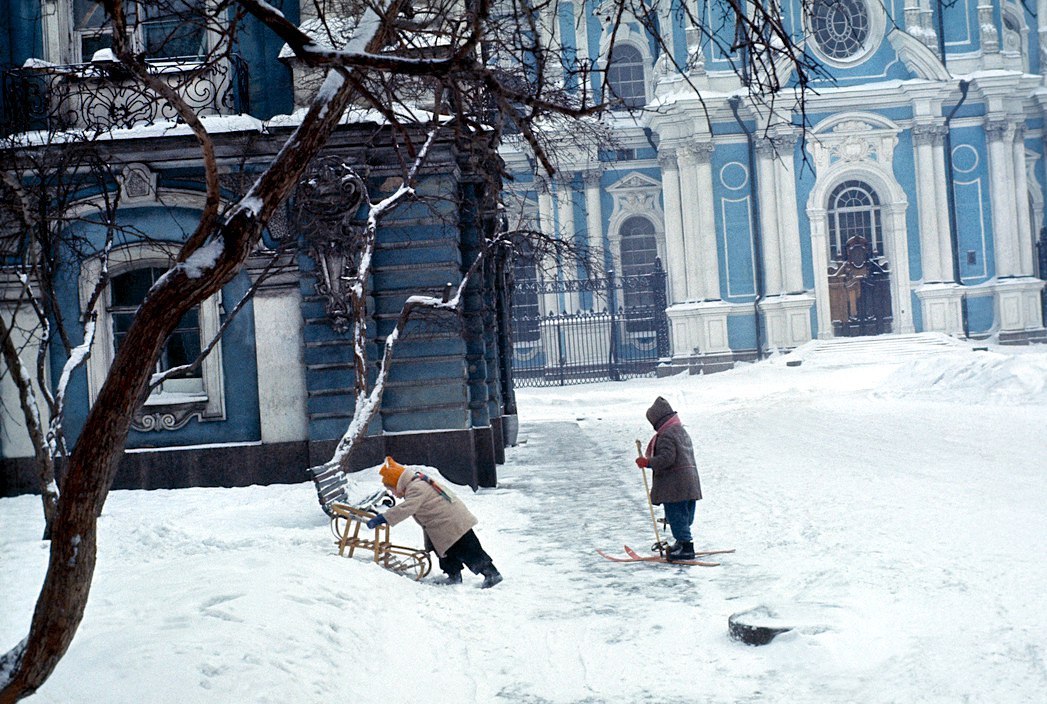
(330, 487)
(331, 484)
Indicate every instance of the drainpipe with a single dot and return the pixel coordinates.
(757, 234)
(954, 234)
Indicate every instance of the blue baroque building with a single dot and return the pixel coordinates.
(906, 196)
(277, 391)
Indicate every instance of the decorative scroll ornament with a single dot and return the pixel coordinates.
(325, 205)
(169, 419)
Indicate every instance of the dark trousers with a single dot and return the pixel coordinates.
(466, 551)
(680, 515)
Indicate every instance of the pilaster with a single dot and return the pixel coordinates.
(927, 140)
(547, 223)
(784, 141)
(999, 132)
(769, 225)
(675, 265)
(704, 281)
(692, 264)
(565, 217)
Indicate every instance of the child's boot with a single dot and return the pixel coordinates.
(683, 550)
(451, 578)
(491, 575)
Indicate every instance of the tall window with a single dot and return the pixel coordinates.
(639, 249)
(127, 291)
(162, 29)
(854, 211)
(526, 311)
(625, 76)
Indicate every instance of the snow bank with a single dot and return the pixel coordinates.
(893, 513)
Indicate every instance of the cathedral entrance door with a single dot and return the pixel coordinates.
(860, 291)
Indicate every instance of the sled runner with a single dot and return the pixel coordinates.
(346, 524)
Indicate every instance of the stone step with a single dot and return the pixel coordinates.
(875, 349)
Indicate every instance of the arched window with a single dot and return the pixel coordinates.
(625, 76)
(638, 250)
(854, 211)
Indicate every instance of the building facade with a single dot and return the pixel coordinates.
(906, 196)
(276, 392)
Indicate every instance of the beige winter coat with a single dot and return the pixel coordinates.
(444, 520)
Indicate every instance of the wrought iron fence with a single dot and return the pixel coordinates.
(102, 96)
(619, 329)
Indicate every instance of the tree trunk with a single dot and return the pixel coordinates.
(93, 463)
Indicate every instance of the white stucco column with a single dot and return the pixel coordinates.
(943, 231)
(703, 252)
(689, 196)
(788, 219)
(547, 223)
(1021, 206)
(675, 265)
(1001, 183)
(901, 293)
(282, 393)
(927, 203)
(770, 242)
(565, 218)
(820, 262)
(593, 214)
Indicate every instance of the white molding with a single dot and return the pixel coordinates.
(635, 194)
(163, 409)
(860, 146)
(917, 56)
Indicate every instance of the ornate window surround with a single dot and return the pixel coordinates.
(163, 410)
(629, 35)
(635, 194)
(1013, 12)
(859, 146)
(877, 28)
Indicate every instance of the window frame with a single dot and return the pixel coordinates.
(874, 234)
(138, 35)
(641, 63)
(165, 409)
(873, 39)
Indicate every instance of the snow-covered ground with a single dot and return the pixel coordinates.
(894, 512)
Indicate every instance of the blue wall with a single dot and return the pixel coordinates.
(241, 386)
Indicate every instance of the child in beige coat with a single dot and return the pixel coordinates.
(447, 523)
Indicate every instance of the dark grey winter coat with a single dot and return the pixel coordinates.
(671, 459)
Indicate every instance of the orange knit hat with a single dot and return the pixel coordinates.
(391, 472)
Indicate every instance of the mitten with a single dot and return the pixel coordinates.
(641, 462)
(376, 521)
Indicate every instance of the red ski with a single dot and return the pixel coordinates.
(633, 556)
(697, 553)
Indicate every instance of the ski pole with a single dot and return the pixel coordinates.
(650, 506)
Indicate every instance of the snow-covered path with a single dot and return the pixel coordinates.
(897, 515)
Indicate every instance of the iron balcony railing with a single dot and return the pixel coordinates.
(101, 95)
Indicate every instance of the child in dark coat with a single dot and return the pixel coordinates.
(675, 485)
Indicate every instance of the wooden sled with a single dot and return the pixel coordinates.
(346, 522)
